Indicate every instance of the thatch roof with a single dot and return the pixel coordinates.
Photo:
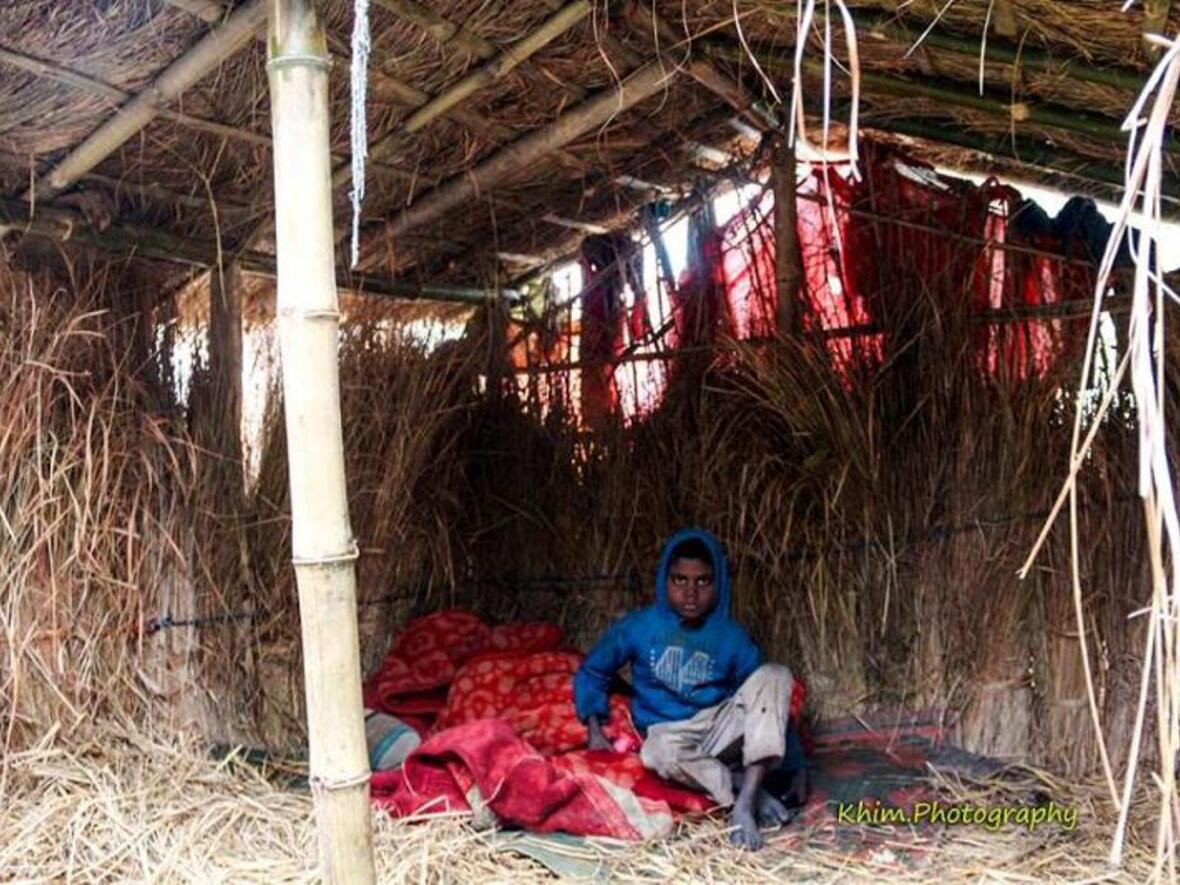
(1058, 78)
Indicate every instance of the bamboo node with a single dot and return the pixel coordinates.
(350, 555)
(322, 314)
(299, 61)
(323, 785)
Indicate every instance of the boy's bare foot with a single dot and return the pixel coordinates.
(745, 834)
(770, 812)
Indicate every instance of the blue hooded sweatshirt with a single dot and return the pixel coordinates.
(676, 670)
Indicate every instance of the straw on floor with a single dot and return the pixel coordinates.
(124, 804)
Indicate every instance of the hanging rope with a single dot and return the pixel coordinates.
(360, 85)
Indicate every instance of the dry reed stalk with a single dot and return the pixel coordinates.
(1146, 122)
(92, 492)
(122, 803)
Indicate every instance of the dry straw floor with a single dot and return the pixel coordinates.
(123, 806)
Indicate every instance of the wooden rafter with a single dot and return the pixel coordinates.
(447, 33)
(49, 70)
(499, 66)
(952, 95)
(427, 107)
(644, 20)
(209, 52)
(67, 226)
(60, 74)
(381, 67)
(206, 10)
(525, 151)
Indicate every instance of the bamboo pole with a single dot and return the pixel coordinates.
(221, 43)
(512, 57)
(645, 22)
(205, 10)
(48, 70)
(951, 94)
(525, 151)
(323, 547)
(68, 226)
(445, 32)
(788, 262)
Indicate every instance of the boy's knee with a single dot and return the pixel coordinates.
(770, 676)
(656, 752)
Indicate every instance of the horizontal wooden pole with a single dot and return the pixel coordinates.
(67, 226)
(527, 150)
(205, 10)
(57, 73)
(447, 33)
(1023, 150)
(948, 94)
(221, 43)
(1070, 310)
(499, 66)
(48, 70)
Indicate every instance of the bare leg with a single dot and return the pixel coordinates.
(744, 815)
(768, 808)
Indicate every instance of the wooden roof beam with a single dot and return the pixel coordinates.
(644, 20)
(205, 10)
(218, 45)
(341, 53)
(499, 66)
(1155, 21)
(445, 32)
(429, 108)
(952, 95)
(64, 225)
(59, 74)
(49, 70)
(527, 150)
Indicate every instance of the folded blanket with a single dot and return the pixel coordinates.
(485, 767)
(534, 693)
(413, 680)
(501, 737)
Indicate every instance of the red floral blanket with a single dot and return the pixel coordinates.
(495, 708)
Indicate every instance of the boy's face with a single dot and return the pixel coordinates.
(691, 591)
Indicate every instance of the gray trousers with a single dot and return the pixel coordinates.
(749, 727)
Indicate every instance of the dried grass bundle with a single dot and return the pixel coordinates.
(91, 504)
(124, 804)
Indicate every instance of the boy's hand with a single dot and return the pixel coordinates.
(598, 740)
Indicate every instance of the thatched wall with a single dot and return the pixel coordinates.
(875, 524)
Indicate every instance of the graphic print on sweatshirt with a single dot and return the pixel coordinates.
(679, 670)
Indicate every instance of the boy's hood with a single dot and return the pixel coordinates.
(720, 608)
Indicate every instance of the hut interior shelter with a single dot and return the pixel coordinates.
(358, 358)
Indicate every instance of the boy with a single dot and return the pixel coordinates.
(703, 699)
